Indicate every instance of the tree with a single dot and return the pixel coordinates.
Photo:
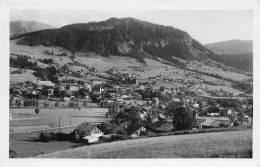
(113, 108)
(182, 118)
(46, 137)
(45, 104)
(37, 110)
(19, 104)
(241, 116)
(57, 104)
(10, 102)
(37, 103)
(106, 127)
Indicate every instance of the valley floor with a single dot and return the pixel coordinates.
(235, 144)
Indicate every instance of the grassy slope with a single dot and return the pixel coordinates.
(221, 144)
(27, 76)
(127, 64)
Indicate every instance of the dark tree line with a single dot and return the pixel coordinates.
(23, 62)
(46, 61)
(48, 73)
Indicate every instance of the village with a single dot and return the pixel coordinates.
(129, 84)
(134, 107)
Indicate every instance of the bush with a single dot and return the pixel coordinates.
(53, 136)
(63, 136)
(117, 137)
(45, 137)
(236, 123)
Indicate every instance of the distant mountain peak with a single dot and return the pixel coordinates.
(20, 26)
(235, 46)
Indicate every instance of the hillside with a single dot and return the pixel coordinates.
(232, 47)
(234, 53)
(21, 27)
(239, 61)
(143, 72)
(135, 47)
(208, 145)
(126, 36)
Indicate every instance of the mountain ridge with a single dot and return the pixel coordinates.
(125, 36)
(235, 46)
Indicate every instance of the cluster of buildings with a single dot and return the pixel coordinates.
(134, 108)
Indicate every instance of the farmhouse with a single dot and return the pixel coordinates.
(134, 130)
(160, 126)
(88, 131)
(74, 88)
(44, 83)
(120, 129)
(211, 123)
(66, 99)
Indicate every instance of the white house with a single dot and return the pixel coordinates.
(44, 83)
(66, 99)
(74, 88)
(88, 131)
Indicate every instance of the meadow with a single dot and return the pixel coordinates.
(233, 144)
(25, 119)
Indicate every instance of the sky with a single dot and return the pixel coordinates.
(206, 26)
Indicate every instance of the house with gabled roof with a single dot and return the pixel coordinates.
(120, 129)
(160, 126)
(89, 130)
(208, 122)
(134, 130)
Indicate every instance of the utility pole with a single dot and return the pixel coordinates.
(59, 124)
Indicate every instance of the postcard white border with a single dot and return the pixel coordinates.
(5, 6)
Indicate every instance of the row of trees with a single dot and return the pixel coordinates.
(25, 103)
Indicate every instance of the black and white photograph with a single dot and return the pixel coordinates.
(101, 83)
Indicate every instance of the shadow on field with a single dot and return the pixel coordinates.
(78, 145)
(88, 116)
(32, 139)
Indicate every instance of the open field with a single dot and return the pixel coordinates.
(26, 117)
(27, 76)
(236, 144)
(25, 120)
(26, 145)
